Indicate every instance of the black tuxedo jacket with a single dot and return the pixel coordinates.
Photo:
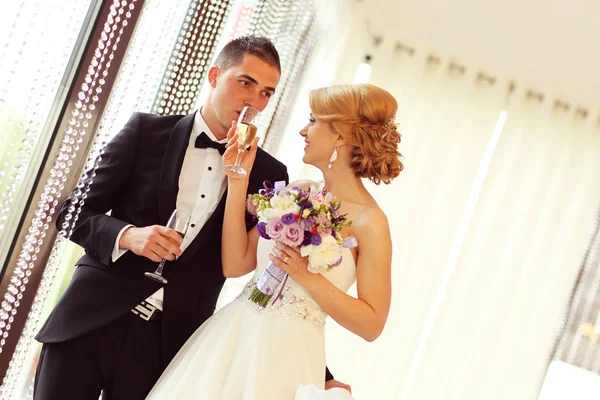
(137, 181)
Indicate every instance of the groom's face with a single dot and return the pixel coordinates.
(250, 83)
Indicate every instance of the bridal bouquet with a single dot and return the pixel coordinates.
(298, 218)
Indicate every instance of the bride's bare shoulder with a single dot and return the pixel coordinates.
(305, 184)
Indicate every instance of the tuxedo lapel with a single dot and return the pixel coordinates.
(168, 185)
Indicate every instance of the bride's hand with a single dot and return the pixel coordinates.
(290, 260)
(230, 154)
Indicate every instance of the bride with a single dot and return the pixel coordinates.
(245, 352)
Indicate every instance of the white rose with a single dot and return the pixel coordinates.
(269, 213)
(323, 255)
(285, 204)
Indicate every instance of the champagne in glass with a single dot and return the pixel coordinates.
(246, 130)
(246, 133)
(179, 222)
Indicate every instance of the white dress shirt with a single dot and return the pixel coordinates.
(202, 183)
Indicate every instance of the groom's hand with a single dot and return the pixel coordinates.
(336, 384)
(153, 242)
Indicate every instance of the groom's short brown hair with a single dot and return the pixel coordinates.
(258, 46)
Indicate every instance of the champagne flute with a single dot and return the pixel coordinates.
(246, 130)
(179, 222)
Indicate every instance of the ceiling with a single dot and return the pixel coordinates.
(551, 45)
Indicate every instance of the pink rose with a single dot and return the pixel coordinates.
(275, 228)
(294, 235)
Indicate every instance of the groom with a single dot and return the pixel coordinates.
(114, 330)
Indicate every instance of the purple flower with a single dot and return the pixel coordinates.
(261, 228)
(275, 228)
(306, 240)
(294, 235)
(315, 239)
(301, 192)
(288, 218)
(304, 205)
(308, 223)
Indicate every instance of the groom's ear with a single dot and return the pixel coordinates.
(213, 75)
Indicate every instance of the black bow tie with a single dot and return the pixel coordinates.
(204, 142)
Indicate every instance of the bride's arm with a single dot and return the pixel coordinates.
(365, 316)
(238, 247)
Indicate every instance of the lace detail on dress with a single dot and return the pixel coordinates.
(290, 304)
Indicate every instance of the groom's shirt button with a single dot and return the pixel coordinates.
(210, 168)
(203, 196)
(193, 225)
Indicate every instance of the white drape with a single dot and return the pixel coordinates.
(489, 226)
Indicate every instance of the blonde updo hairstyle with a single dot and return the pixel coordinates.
(364, 116)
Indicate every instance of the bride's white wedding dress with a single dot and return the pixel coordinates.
(244, 352)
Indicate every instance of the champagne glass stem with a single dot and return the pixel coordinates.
(238, 158)
(161, 266)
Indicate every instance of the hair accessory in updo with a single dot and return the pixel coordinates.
(391, 121)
